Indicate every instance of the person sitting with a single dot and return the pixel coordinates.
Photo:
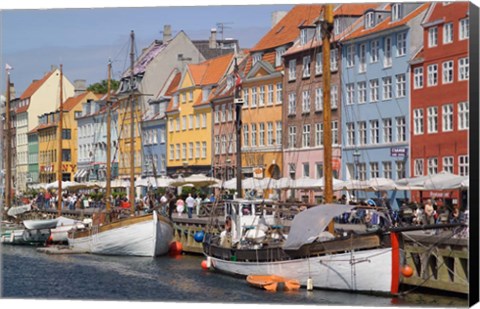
(429, 213)
(457, 216)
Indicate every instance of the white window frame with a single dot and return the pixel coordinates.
(463, 114)
(401, 129)
(350, 134)
(447, 72)
(362, 58)
(447, 117)
(279, 93)
(254, 135)
(306, 101)
(350, 93)
(374, 132)
(261, 134)
(401, 85)
(432, 119)
(432, 166)
(292, 137)
(401, 44)
(374, 48)
(350, 56)
(418, 78)
(306, 136)
(432, 36)
(362, 92)
(278, 133)
(292, 68)
(334, 97)
(387, 169)
(387, 91)
(318, 99)
(254, 97)
(463, 69)
(292, 103)
(306, 67)
(334, 129)
(374, 90)
(418, 167)
(387, 130)
(387, 52)
(270, 94)
(448, 33)
(318, 134)
(463, 29)
(418, 124)
(362, 133)
(432, 79)
(447, 164)
(318, 63)
(333, 60)
(261, 95)
(463, 165)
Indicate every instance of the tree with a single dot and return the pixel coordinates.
(101, 87)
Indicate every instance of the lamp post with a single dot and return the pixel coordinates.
(356, 159)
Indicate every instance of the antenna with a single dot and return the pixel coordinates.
(221, 26)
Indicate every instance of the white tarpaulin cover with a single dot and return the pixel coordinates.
(308, 224)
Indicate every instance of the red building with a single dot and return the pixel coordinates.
(439, 97)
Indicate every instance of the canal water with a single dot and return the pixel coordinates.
(31, 275)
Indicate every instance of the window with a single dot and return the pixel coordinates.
(362, 171)
(177, 122)
(306, 101)
(270, 94)
(190, 96)
(463, 165)
(369, 20)
(177, 154)
(401, 85)
(184, 97)
(261, 95)
(374, 51)
(216, 114)
(184, 123)
(432, 121)
(306, 136)
(432, 36)
(362, 58)
(204, 150)
(447, 74)
(261, 134)
(254, 134)
(418, 78)
(223, 114)
(184, 151)
(350, 56)
(190, 122)
(432, 75)
(362, 92)
(66, 155)
(350, 93)
(463, 69)
(333, 60)
(418, 167)
(397, 12)
(463, 116)
(334, 129)
(254, 97)
(246, 141)
(172, 152)
(303, 36)
(418, 121)
(401, 171)
(197, 122)
(387, 130)
(318, 170)
(292, 66)
(278, 56)
(292, 104)
(432, 166)
(319, 134)
(278, 134)
(401, 129)
(387, 49)
(387, 169)
(401, 44)
(318, 99)
(374, 90)
(197, 150)
(374, 172)
(464, 32)
(318, 64)
(245, 97)
(387, 87)
(448, 164)
(334, 96)
(306, 169)
(350, 133)
(447, 33)
(292, 136)
(291, 170)
(279, 93)
(362, 132)
(447, 117)
(374, 134)
(306, 67)
(256, 57)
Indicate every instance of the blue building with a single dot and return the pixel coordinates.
(92, 141)
(376, 92)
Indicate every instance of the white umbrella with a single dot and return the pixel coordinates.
(444, 181)
(119, 183)
(145, 182)
(198, 180)
(284, 183)
(306, 183)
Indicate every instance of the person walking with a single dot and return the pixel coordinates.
(190, 204)
(198, 204)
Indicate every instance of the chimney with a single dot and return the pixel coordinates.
(213, 39)
(167, 33)
(80, 86)
(277, 16)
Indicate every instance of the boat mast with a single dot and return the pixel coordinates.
(8, 145)
(238, 126)
(109, 150)
(327, 27)
(60, 146)
(132, 127)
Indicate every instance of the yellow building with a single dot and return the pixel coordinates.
(48, 139)
(189, 117)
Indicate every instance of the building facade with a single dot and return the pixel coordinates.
(439, 110)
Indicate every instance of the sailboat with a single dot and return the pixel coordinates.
(143, 235)
(311, 251)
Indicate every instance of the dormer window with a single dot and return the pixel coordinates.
(175, 100)
(256, 57)
(397, 13)
(369, 20)
(205, 94)
(303, 36)
(318, 32)
(336, 26)
(278, 56)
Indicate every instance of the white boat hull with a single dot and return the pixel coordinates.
(367, 270)
(150, 237)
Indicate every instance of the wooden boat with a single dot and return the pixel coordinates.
(145, 235)
(273, 282)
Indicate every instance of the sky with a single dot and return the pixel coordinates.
(84, 39)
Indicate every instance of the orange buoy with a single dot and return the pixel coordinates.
(176, 248)
(204, 264)
(407, 271)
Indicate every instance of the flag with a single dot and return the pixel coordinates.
(8, 67)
